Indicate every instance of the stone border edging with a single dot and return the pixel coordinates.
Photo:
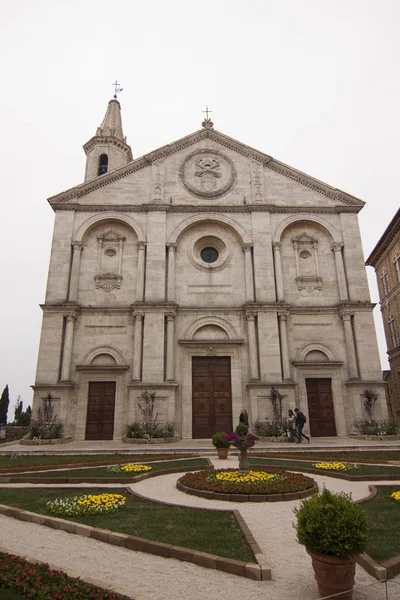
(374, 438)
(63, 440)
(381, 571)
(248, 497)
(127, 440)
(257, 571)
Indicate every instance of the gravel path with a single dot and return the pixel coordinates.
(147, 577)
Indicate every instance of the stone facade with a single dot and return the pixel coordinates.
(208, 272)
(385, 258)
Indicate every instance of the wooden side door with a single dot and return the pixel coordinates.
(212, 396)
(320, 407)
(100, 410)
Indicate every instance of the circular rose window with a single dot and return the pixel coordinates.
(209, 255)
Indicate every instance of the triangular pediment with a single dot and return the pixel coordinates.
(226, 144)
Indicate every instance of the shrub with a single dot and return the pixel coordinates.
(373, 427)
(271, 428)
(144, 430)
(331, 524)
(46, 426)
(242, 429)
(219, 440)
(370, 396)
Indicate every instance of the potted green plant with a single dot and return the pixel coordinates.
(334, 531)
(242, 440)
(222, 445)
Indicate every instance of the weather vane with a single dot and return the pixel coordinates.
(117, 88)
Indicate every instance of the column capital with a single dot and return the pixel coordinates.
(337, 246)
(171, 246)
(170, 316)
(283, 315)
(141, 245)
(276, 246)
(247, 247)
(345, 314)
(138, 314)
(77, 245)
(251, 315)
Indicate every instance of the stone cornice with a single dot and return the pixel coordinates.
(191, 208)
(108, 141)
(386, 239)
(223, 140)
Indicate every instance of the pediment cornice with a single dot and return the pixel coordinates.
(340, 197)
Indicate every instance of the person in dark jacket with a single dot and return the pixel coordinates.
(300, 421)
(244, 417)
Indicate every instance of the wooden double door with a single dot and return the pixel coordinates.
(212, 396)
(320, 407)
(100, 410)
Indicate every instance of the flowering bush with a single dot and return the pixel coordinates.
(129, 468)
(271, 428)
(242, 442)
(39, 582)
(232, 481)
(373, 427)
(335, 466)
(396, 495)
(91, 504)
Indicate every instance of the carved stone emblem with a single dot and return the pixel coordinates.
(207, 173)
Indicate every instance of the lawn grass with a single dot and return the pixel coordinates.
(103, 473)
(384, 522)
(45, 460)
(210, 531)
(347, 455)
(364, 470)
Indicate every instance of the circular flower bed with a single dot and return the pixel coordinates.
(251, 486)
(335, 466)
(129, 468)
(91, 504)
(396, 495)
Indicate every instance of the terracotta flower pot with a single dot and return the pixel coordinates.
(222, 452)
(334, 574)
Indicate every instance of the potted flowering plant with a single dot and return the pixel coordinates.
(334, 531)
(222, 445)
(242, 440)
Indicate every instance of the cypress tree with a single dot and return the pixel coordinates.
(4, 402)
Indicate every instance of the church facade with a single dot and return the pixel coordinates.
(206, 272)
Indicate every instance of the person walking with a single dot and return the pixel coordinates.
(291, 423)
(300, 422)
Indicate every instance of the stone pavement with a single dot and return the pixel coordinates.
(189, 445)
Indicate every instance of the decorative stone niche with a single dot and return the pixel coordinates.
(109, 261)
(307, 266)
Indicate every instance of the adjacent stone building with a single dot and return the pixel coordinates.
(385, 258)
(208, 272)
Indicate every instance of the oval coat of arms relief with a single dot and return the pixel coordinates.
(207, 173)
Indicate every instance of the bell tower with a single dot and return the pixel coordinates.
(108, 149)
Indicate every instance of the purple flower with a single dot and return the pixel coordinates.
(242, 442)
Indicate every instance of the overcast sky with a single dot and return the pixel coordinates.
(313, 83)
